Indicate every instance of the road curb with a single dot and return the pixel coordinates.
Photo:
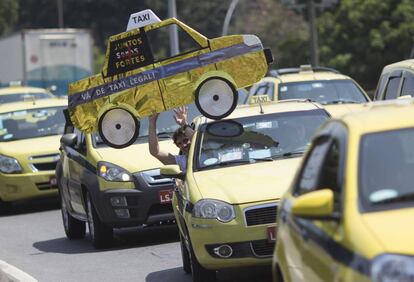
(9, 273)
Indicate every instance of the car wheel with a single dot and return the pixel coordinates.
(278, 274)
(118, 128)
(185, 255)
(198, 272)
(100, 234)
(216, 98)
(5, 207)
(74, 228)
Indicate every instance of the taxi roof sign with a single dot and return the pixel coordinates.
(141, 19)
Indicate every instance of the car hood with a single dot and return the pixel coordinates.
(247, 183)
(136, 157)
(339, 110)
(386, 226)
(31, 147)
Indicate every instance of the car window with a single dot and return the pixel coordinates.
(386, 166)
(391, 92)
(309, 178)
(257, 138)
(380, 87)
(31, 123)
(26, 96)
(160, 42)
(323, 91)
(166, 126)
(408, 84)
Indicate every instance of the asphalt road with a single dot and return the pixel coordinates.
(32, 239)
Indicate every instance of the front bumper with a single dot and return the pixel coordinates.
(250, 244)
(143, 205)
(14, 187)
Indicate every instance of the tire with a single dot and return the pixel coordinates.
(198, 272)
(185, 256)
(74, 228)
(278, 274)
(216, 98)
(100, 234)
(5, 207)
(118, 128)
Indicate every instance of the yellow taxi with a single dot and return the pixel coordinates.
(17, 93)
(29, 143)
(396, 81)
(347, 214)
(140, 77)
(338, 93)
(109, 188)
(225, 202)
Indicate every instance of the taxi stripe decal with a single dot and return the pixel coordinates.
(160, 73)
(309, 231)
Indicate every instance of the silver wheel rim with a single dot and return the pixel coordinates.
(90, 218)
(216, 97)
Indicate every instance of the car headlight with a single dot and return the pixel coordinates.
(213, 209)
(390, 267)
(250, 40)
(9, 165)
(111, 172)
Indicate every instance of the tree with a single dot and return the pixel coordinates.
(360, 37)
(279, 28)
(8, 15)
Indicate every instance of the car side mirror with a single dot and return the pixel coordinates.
(69, 139)
(172, 171)
(315, 205)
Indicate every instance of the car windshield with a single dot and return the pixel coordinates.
(25, 124)
(24, 96)
(257, 138)
(386, 166)
(166, 126)
(323, 91)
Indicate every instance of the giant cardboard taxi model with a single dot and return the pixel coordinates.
(138, 79)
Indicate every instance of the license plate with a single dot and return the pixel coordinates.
(165, 196)
(271, 234)
(52, 181)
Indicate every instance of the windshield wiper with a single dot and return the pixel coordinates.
(244, 161)
(341, 101)
(399, 198)
(165, 134)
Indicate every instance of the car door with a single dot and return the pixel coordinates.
(76, 158)
(181, 68)
(293, 233)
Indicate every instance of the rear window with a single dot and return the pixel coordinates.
(323, 91)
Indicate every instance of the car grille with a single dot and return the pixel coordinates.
(45, 166)
(262, 248)
(45, 186)
(263, 214)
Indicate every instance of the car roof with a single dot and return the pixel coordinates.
(306, 73)
(381, 116)
(34, 104)
(22, 89)
(284, 106)
(407, 64)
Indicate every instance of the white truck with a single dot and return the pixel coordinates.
(47, 58)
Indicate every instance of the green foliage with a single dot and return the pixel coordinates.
(361, 36)
(8, 15)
